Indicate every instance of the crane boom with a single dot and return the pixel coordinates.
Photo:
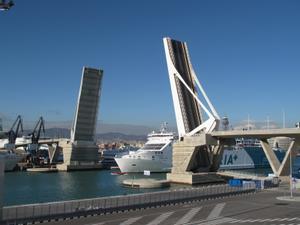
(35, 135)
(13, 133)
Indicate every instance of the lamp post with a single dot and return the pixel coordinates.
(1, 185)
(291, 174)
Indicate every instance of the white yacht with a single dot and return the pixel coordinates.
(108, 157)
(10, 159)
(154, 156)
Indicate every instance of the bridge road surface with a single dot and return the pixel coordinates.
(259, 208)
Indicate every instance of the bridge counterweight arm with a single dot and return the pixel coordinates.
(186, 102)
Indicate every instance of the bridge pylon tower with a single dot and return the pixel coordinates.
(196, 152)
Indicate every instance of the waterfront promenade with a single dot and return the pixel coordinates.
(209, 208)
(65, 210)
(258, 208)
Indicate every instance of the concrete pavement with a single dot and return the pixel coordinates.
(260, 208)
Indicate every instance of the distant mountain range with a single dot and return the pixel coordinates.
(105, 132)
(110, 136)
(127, 129)
(125, 132)
(119, 136)
(62, 128)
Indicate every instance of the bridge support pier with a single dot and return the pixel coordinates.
(217, 152)
(53, 152)
(284, 169)
(79, 156)
(195, 159)
(272, 158)
(280, 169)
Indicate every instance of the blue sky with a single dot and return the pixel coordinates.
(245, 53)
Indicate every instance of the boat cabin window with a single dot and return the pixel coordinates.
(153, 146)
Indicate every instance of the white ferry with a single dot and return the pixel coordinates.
(247, 154)
(154, 156)
(108, 157)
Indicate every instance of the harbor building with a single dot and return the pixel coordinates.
(81, 151)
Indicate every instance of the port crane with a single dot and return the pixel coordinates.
(34, 145)
(36, 133)
(4, 6)
(14, 132)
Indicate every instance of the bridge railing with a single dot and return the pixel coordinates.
(83, 207)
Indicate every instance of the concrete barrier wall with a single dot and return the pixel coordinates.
(65, 209)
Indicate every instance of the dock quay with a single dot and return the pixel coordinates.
(43, 170)
(240, 175)
(146, 183)
(22, 214)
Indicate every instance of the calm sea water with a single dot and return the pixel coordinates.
(26, 187)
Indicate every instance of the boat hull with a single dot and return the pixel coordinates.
(247, 158)
(128, 165)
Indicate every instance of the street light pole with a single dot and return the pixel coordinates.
(291, 174)
(1, 185)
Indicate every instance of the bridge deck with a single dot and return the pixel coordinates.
(259, 134)
(47, 141)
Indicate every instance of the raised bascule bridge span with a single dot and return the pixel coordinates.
(197, 154)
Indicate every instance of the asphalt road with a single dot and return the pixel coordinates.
(259, 208)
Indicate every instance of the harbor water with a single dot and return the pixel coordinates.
(26, 187)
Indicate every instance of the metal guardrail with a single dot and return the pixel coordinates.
(76, 208)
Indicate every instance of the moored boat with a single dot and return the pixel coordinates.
(154, 156)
